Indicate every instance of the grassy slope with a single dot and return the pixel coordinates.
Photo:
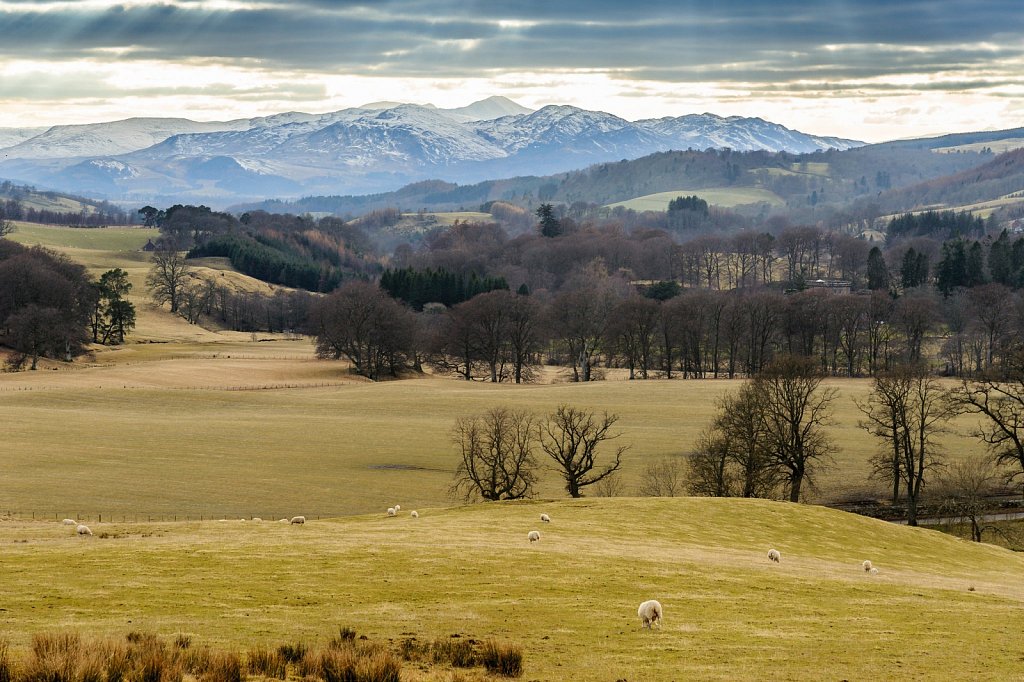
(569, 599)
(716, 196)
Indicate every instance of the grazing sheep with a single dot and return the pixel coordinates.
(83, 530)
(533, 535)
(414, 514)
(282, 520)
(774, 555)
(545, 518)
(257, 519)
(69, 522)
(298, 520)
(392, 511)
(866, 565)
(873, 571)
(398, 507)
(650, 613)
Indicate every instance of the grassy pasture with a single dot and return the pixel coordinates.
(263, 429)
(997, 146)
(716, 196)
(96, 238)
(569, 600)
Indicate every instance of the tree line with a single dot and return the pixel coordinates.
(49, 307)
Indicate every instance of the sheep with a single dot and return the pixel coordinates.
(398, 508)
(650, 613)
(773, 554)
(257, 519)
(866, 565)
(298, 520)
(414, 514)
(533, 536)
(873, 571)
(83, 530)
(282, 520)
(545, 518)
(69, 522)
(392, 511)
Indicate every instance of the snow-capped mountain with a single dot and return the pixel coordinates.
(707, 131)
(373, 148)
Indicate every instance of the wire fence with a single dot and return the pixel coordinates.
(249, 387)
(134, 517)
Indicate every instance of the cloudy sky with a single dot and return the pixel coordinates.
(866, 69)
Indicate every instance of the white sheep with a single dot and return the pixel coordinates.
(533, 535)
(873, 571)
(298, 520)
(83, 529)
(69, 522)
(398, 507)
(257, 519)
(282, 520)
(545, 518)
(414, 514)
(650, 613)
(774, 555)
(392, 511)
(866, 565)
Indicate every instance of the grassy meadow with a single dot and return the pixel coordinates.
(728, 197)
(187, 422)
(193, 422)
(940, 608)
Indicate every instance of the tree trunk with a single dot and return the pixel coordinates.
(796, 479)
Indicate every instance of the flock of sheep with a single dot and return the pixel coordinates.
(650, 611)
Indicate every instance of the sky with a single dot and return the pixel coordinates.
(871, 70)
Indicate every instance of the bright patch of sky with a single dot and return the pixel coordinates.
(864, 69)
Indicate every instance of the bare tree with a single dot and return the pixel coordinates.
(966, 488)
(906, 410)
(709, 472)
(366, 326)
(6, 226)
(497, 455)
(666, 478)
(1001, 406)
(571, 437)
(741, 426)
(168, 275)
(796, 411)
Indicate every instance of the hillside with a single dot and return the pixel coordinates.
(1001, 180)
(833, 178)
(940, 608)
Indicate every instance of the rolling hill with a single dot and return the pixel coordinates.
(940, 608)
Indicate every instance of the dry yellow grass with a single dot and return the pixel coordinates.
(569, 600)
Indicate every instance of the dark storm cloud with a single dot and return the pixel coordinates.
(742, 40)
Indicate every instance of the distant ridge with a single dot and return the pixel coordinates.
(375, 148)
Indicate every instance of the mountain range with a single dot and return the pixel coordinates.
(374, 148)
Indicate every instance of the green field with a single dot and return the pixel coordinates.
(940, 608)
(95, 238)
(727, 197)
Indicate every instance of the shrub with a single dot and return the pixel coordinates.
(6, 667)
(182, 641)
(266, 663)
(502, 658)
(379, 666)
(453, 652)
(292, 653)
(224, 666)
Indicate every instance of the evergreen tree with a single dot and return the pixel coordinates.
(878, 271)
(975, 268)
(1000, 262)
(549, 225)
